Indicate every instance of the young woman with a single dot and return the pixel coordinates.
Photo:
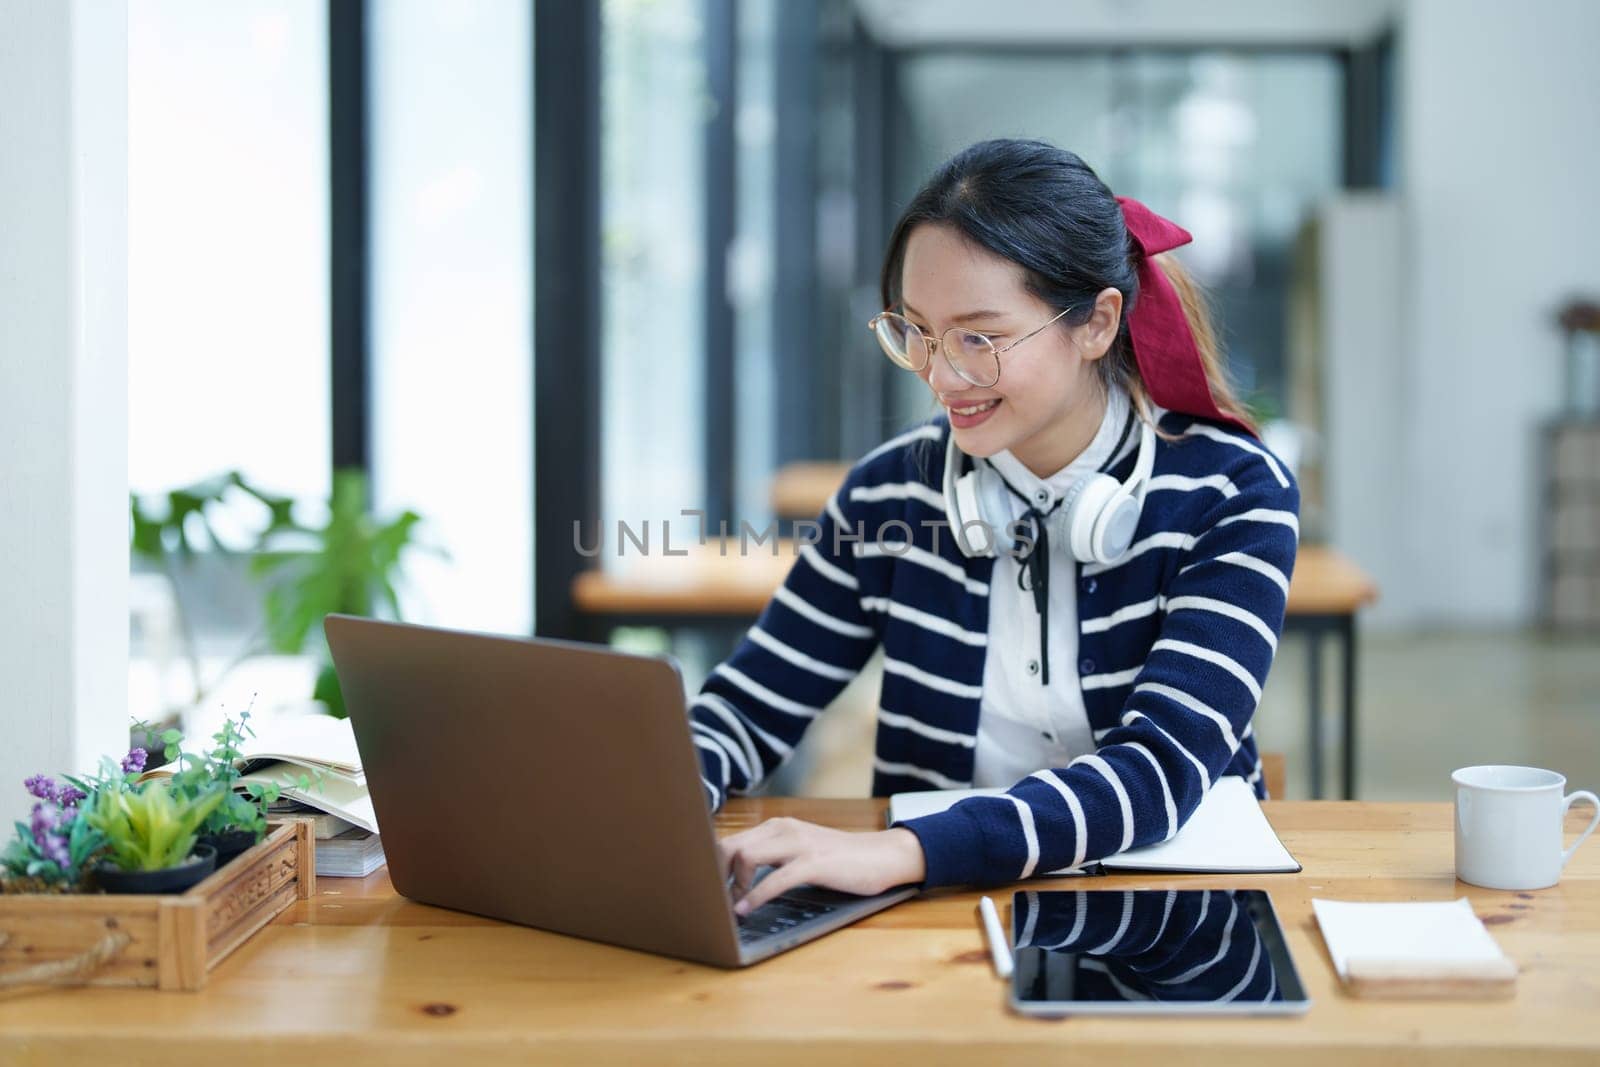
(1076, 573)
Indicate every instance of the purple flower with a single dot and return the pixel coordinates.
(42, 824)
(134, 761)
(55, 848)
(48, 789)
(50, 826)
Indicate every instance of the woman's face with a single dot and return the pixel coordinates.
(1048, 403)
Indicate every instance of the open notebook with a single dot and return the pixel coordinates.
(319, 747)
(1227, 834)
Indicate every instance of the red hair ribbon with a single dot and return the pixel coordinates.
(1163, 345)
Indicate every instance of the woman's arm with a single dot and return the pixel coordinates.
(811, 639)
(1190, 705)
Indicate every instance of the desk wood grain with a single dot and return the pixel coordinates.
(358, 975)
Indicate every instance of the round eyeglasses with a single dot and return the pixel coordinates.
(969, 353)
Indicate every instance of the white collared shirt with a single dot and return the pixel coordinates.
(1023, 724)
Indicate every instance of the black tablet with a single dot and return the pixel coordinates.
(1151, 952)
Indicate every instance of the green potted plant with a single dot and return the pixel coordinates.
(151, 837)
(240, 820)
(349, 564)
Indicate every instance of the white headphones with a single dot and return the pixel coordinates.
(1096, 520)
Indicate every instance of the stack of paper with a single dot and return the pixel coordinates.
(352, 854)
(1414, 949)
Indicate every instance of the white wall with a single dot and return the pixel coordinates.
(1366, 378)
(1500, 152)
(63, 389)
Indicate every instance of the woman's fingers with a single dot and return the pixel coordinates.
(805, 853)
(780, 881)
(745, 866)
(743, 854)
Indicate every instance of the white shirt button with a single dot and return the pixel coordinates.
(1033, 666)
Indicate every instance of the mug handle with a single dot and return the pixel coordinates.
(1594, 802)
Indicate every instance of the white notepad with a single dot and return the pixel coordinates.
(1416, 932)
(1227, 834)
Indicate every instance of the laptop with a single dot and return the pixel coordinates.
(554, 784)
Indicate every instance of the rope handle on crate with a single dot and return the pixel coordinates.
(74, 970)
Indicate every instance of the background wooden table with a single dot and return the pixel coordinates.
(723, 585)
(359, 975)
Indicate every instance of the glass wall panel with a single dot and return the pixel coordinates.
(227, 244)
(227, 319)
(452, 280)
(653, 108)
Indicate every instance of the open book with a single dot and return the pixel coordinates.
(318, 747)
(1227, 834)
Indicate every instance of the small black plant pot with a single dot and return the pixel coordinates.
(114, 879)
(229, 843)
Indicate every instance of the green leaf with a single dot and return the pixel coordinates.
(328, 691)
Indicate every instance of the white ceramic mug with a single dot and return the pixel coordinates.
(1509, 826)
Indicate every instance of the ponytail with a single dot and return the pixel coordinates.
(1197, 311)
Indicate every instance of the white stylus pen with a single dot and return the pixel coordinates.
(999, 948)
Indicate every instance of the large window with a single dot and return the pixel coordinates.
(653, 107)
(227, 308)
(227, 243)
(451, 274)
(752, 261)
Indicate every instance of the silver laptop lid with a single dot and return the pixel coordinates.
(542, 782)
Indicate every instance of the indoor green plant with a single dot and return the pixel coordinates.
(240, 820)
(151, 836)
(348, 564)
(55, 851)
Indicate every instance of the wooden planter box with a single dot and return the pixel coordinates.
(169, 942)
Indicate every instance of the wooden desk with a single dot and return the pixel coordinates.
(801, 490)
(357, 975)
(714, 581)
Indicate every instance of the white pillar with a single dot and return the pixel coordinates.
(63, 389)
(1500, 166)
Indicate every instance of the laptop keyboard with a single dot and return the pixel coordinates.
(783, 913)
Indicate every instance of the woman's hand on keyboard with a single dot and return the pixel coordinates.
(807, 854)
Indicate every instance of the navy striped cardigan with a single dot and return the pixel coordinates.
(1174, 645)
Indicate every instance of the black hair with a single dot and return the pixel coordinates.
(1039, 206)
(1046, 210)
